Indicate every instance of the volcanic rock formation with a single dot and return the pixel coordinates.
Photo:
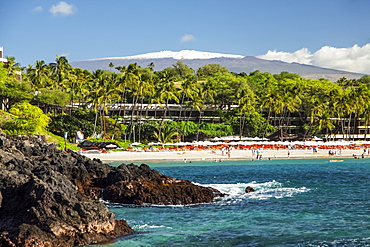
(49, 197)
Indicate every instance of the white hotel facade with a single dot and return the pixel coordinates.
(2, 59)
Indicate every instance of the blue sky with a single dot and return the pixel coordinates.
(327, 33)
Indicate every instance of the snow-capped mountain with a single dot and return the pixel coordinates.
(179, 55)
(234, 63)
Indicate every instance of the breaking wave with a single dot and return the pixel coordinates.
(263, 191)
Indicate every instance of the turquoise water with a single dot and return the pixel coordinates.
(296, 203)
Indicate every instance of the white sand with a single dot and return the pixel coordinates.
(217, 154)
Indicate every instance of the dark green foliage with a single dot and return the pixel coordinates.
(147, 130)
(210, 70)
(84, 114)
(115, 129)
(120, 144)
(52, 96)
(214, 130)
(73, 123)
(254, 123)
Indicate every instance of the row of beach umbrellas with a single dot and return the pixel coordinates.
(252, 143)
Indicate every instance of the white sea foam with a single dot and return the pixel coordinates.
(146, 226)
(342, 242)
(263, 191)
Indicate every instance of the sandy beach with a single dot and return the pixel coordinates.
(213, 155)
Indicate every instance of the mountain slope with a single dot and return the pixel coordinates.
(234, 63)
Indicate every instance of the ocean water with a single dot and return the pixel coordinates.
(296, 203)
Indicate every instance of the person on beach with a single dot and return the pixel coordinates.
(253, 153)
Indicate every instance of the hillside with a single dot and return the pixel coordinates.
(235, 63)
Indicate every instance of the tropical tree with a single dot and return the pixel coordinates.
(79, 88)
(186, 92)
(14, 68)
(185, 128)
(38, 75)
(246, 105)
(28, 119)
(111, 65)
(210, 70)
(103, 91)
(324, 120)
(12, 90)
(166, 133)
(166, 90)
(60, 72)
(206, 95)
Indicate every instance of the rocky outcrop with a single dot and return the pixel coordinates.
(131, 184)
(49, 197)
(249, 189)
(42, 203)
(153, 188)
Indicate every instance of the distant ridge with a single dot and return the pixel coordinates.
(234, 63)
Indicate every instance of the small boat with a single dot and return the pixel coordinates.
(336, 160)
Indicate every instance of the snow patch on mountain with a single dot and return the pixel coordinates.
(179, 55)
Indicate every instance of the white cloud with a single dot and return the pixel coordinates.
(38, 9)
(64, 54)
(187, 38)
(353, 59)
(63, 9)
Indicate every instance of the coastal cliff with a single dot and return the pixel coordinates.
(49, 197)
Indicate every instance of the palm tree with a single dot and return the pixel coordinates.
(12, 66)
(146, 91)
(111, 65)
(38, 75)
(80, 87)
(103, 91)
(187, 91)
(206, 93)
(166, 133)
(324, 120)
(246, 102)
(60, 72)
(138, 86)
(167, 90)
(185, 128)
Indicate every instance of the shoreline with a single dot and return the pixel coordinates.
(216, 155)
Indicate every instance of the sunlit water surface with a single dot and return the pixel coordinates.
(296, 203)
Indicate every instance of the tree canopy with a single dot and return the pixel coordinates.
(250, 103)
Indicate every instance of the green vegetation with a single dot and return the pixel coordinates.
(27, 119)
(246, 104)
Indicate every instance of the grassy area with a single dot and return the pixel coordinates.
(59, 141)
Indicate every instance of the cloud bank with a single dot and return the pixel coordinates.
(63, 9)
(353, 59)
(187, 38)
